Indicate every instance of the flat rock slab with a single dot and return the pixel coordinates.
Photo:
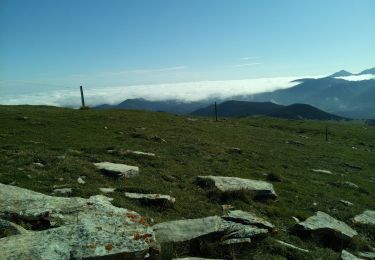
(366, 218)
(117, 169)
(247, 218)
(345, 255)
(188, 229)
(75, 228)
(261, 189)
(164, 200)
(323, 225)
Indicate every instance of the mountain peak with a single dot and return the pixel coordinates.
(341, 73)
(368, 71)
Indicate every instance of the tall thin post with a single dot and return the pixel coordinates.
(82, 97)
(215, 112)
(326, 134)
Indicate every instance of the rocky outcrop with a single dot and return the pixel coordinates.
(117, 169)
(71, 227)
(260, 189)
(366, 218)
(330, 231)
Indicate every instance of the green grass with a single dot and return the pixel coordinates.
(68, 141)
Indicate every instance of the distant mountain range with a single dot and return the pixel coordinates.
(333, 94)
(245, 108)
(169, 106)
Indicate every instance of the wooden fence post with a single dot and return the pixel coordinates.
(82, 97)
(215, 112)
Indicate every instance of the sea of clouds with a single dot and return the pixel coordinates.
(183, 91)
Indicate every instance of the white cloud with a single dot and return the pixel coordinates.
(185, 91)
(246, 65)
(249, 58)
(358, 77)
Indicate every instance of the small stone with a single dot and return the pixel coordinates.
(107, 190)
(139, 153)
(291, 246)
(37, 164)
(322, 171)
(158, 139)
(80, 180)
(367, 255)
(29, 176)
(345, 255)
(164, 200)
(365, 218)
(296, 219)
(234, 150)
(350, 185)
(117, 169)
(347, 203)
(63, 191)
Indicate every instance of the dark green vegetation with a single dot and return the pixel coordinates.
(245, 108)
(67, 142)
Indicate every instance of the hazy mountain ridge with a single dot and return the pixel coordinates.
(245, 108)
(333, 94)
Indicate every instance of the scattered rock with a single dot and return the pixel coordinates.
(261, 189)
(330, 231)
(139, 153)
(82, 228)
(38, 164)
(367, 255)
(291, 246)
(156, 199)
(80, 180)
(192, 119)
(117, 169)
(107, 190)
(61, 157)
(236, 241)
(366, 218)
(345, 255)
(350, 184)
(63, 191)
(226, 207)
(158, 139)
(296, 219)
(346, 203)
(234, 150)
(322, 171)
(247, 218)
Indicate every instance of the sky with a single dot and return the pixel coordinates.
(191, 49)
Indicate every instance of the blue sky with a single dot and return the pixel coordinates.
(48, 45)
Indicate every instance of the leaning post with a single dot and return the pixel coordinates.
(82, 97)
(215, 112)
(326, 134)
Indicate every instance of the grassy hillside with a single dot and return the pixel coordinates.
(67, 142)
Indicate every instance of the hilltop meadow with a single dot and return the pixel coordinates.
(43, 148)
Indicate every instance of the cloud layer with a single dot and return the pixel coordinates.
(186, 91)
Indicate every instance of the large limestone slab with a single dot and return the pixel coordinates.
(247, 218)
(323, 226)
(118, 169)
(366, 218)
(72, 227)
(214, 226)
(261, 189)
